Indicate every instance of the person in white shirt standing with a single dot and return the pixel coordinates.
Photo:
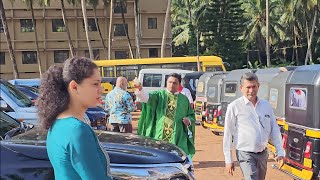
(249, 124)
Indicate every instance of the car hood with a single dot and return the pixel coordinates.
(121, 148)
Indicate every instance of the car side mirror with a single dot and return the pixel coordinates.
(4, 106)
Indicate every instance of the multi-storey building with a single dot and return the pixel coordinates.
(53, 41)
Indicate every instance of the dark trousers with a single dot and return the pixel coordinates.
(253, 165)
(122, 128)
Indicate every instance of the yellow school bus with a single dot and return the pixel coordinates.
(130, 68)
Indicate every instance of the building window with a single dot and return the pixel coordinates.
(153, 52)
(29, 57)
(60, 56)
(91, 25)
(121, 55)
(152, 23)
(2, 58)
(26, 25)
(96, 54)
(119, 30)
(58, 25)
(1, 27)
(117, 7)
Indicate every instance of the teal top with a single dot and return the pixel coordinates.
(74, 151)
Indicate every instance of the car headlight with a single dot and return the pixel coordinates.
(170, 171)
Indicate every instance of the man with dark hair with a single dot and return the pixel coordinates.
(167, 115)
(249, 124)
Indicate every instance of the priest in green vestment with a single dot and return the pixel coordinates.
(167, 115)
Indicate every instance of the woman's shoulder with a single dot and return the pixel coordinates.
(70, 123)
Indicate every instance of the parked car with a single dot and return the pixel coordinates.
(24, 156)
(16, 103)
(26, 82)
(31, 92)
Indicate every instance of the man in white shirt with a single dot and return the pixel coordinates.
(186, 92)
(249, 123)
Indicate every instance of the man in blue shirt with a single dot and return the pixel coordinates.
(119, 105)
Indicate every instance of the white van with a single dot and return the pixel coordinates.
(156, 79)
(16, 104)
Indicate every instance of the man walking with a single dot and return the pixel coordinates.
(167, 115)
(119, 105)
(249, 123)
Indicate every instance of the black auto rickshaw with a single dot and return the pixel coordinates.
(200, 100)
(213, 105)
(190, 81)
(230, 92)
(301, 140)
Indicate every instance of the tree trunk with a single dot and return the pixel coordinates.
(165, 29)
(125, 30)
(36, 37)
(137, 27)
(311, 36)
(296, 46)
(7, 34)
(98, 28)
(85, 20)
(267, 34)
(65, 21)
(110, 30)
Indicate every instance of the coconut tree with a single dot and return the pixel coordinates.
(29, 4)
(122, 2)
(137, 27)
(110, 29)
(8, 39)
(65, 21)
(86, 27)
(94, 4)
(165, 29)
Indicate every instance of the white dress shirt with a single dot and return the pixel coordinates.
(250, 127)
(186, 92)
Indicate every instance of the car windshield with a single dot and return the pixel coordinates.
(6, 124)
(16, 95)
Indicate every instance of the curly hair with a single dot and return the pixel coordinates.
(54, 96)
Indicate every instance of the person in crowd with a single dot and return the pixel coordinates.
(249, 124)
(119, 105)
(187, 93)
(167, 115)
(66, 92)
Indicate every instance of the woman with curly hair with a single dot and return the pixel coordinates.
(65, 94)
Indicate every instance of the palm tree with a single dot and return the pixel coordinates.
(85, 20)
(122, 2)
(7, 34)
(65, 21)
(137, 27)
(165, 29)
(30, 5)
(94, 4)
(110, 29)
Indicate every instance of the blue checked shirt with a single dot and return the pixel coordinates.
(119, 105)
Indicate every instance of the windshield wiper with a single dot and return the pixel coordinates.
(22, 129)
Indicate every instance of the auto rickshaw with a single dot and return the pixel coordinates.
(213, 106)
(301, 140)
(230, 92)
(200, 100)
(190, 81)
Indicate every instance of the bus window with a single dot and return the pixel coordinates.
(149, 66)
(213, 68)
(108, 72)
(172, 66)
(152, 80)
(191, 66)
(130, 72)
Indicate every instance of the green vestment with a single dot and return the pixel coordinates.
(161, 118)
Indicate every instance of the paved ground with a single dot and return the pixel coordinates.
(209, 160)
